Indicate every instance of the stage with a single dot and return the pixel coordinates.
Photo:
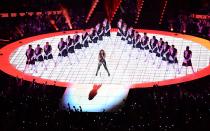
(127, 66)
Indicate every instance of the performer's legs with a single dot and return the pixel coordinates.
(160, 62)
(69, 59)
(139, 54)
(180, 69)
(83, 51)
(192, 69)
(26, 66)
(176, 67)
(43, 63)
(186, 70)
(76, 57)
(167, 67)
(158, 58)
(99, 65)
(130, 53)
(34, 68)
(104, 64)
(149, 55)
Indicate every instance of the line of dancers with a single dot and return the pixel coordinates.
(156, 50)
(67, 48)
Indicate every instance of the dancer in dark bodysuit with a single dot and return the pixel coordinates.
(101, 59)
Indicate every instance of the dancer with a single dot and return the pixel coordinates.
(71, 47)
(119, 26)
(62, 47)
(130, 35)
(107, 27)
(152, 48)
(159, 50)
(48, 52)
(94, 36)
(124, 32)
(145, 44)
(38, 56)
(172, 57)
(100, 31)
(137, 44)
(76, 41)
(85, 38)
(30, 58)
(187, 60)
(164, 53)
(101, 59)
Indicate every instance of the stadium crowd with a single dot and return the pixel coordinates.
(32, 106)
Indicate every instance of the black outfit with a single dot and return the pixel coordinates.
(62, 49)
(130, 37)
(100, 33)
(124, 35)
(187, 54)
(47, 52)
(85, 39)
(172, 56)
(165, 53)
(153, 44)
(137, 43)
(94, 37)
(159, 50)
(144, 42)
(102, 61)
(38, 54)
(30, 56)
(119, 32)
(70, 46)
(107, 30)
(77, 42)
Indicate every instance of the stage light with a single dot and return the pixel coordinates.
(52, 22)
(163, 11)
(139, 8)
(19, 31)
(67, 17)
(115, 8)
(94, 4)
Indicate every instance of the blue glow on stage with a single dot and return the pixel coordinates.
(95, 98)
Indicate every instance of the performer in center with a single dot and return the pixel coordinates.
(101, 59)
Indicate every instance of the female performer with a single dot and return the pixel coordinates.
(101, 59)
(187, 59)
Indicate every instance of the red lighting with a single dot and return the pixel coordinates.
(140, 4)
(163, 11)
(66, 15)
(94, 4)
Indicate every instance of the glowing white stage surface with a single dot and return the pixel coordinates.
(121, 61)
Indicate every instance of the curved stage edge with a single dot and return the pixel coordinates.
(6, 67)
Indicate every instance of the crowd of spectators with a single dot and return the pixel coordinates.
(189, 25)
(25, 26)
(32, 106)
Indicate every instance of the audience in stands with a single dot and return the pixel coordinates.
(32, 106)
(187, 24)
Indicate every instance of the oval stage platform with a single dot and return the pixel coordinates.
(126, 64)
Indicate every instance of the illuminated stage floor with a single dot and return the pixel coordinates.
(126, 71)
(121, 62)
